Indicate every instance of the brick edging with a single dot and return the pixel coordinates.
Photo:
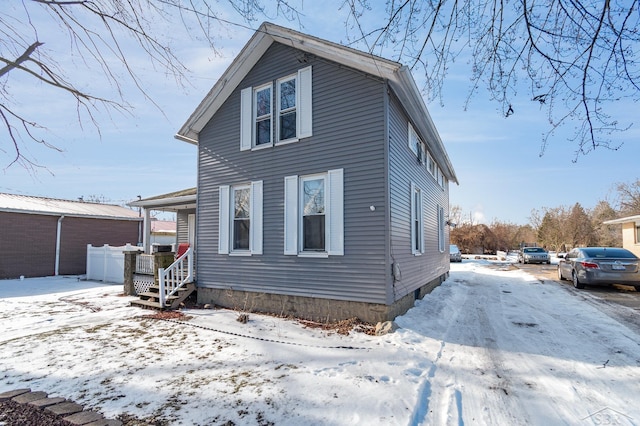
(66, 410)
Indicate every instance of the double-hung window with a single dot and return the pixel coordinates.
(263, 112)
(290, 108)
(440, 213)
(240, 219)
(287, 116)
(417, 227)
(314, 214)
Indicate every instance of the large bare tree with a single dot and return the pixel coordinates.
(113, 41)
(576, 58)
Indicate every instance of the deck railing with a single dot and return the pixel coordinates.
(144, 264)
(172, 278)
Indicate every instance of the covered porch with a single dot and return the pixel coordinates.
(182, 203)
(164, 275)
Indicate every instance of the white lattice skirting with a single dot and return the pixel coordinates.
(141, 283)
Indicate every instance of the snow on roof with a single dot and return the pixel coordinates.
(51, 206)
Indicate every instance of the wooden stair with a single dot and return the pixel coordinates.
(151, 298)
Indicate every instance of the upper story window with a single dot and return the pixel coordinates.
(240, 219)
(314, 214)
(417, 227)
(287, 117)
(414, 142)
(440, 213)
(262, 108)
(293, 111)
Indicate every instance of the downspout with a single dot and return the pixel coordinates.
(58, 234)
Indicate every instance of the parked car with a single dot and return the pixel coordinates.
(454, 253)
(533, 255)
(600, 265)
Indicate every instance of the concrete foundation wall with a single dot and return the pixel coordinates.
(315, 309)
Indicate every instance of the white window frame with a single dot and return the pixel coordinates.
(440, 214)
(417, 240)
(226, 215)
(334, 214)
(413, 140)
(255, 117)
(281, 111)
(304, 111)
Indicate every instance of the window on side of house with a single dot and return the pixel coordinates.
(440, 213)
(314, 217)
(240, 219)
(413, 140)
(417, 227)
(637, 233)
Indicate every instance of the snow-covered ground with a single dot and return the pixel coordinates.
(490, 346)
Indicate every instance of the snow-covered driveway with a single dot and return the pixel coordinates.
(492, 345)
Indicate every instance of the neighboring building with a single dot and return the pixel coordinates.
(323, 185)
(163, 232)
(45, 236)
(630, 232)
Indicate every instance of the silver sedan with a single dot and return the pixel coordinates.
(600, 266)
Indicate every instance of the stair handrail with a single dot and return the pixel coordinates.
(173, 278)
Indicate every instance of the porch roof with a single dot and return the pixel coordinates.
(171, 202)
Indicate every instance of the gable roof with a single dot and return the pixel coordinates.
(398, 76)
(13, 203)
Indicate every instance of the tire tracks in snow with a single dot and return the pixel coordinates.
(441, 397)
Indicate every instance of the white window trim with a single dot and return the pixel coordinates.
(440, 213)
(334, 215)
(254, 100)
(417, 251)
(225, 220)
(412, 137)
(279, 111)
(304, 111)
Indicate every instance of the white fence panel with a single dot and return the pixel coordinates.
(106, 263)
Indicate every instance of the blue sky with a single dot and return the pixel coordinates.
(502, 176)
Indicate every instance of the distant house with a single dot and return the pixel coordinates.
(163, 232)
(323, 185)
(45, 236)
(630, 232)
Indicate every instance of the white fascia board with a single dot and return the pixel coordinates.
(223, 88)
(622, 220)
(185, 200)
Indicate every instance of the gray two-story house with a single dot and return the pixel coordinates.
(323, 185)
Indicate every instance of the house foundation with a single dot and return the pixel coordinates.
(315, 309)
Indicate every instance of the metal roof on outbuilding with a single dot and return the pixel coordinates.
(50, 206)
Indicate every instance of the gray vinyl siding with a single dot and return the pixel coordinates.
(349, 127)
(182, 225)
(404, 170)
